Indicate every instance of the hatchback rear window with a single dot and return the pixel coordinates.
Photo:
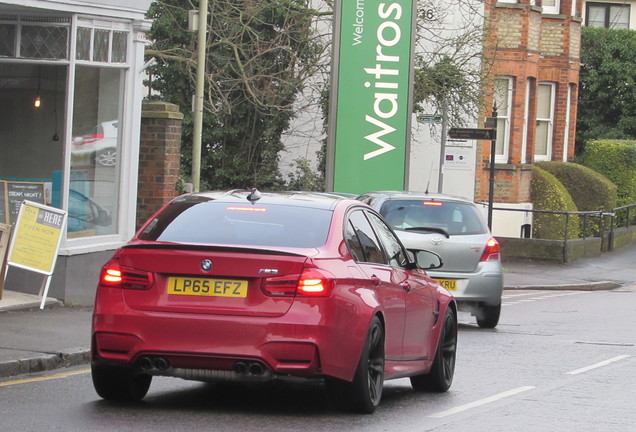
(456, 218)
(200, 220)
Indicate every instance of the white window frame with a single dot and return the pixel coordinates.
(504, 116)
(124, 218)
(549, 120)
(551, 9)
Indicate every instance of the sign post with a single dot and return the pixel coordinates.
(492, 121)
(36, 240)
(468, 133)
(489, 133)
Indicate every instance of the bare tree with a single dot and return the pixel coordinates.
(451, 66)
(259, 56)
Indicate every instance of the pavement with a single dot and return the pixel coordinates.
(58, 336)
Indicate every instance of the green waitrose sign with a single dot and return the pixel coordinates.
(371, 96)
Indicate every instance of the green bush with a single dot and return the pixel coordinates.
(616, 160)
(548, 193)
(590, 190)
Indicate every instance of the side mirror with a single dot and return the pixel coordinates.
(427, 260)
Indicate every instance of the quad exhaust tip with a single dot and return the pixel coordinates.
(249, 368)
(241, 368)
(147, 363)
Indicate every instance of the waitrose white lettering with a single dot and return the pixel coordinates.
(385, 103)
(358, 25)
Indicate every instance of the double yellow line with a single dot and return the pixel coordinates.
(44, 378)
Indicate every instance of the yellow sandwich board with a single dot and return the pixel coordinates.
(36, 239)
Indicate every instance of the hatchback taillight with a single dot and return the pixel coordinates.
(113, 275)
(491, 253)
(310, 283)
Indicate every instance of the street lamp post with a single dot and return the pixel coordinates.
(491, 189)
(198, 95)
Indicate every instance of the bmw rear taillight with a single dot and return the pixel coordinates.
(310, 283)
(491, 253)
(281, 286)
(115, 276)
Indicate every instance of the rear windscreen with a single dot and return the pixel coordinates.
(456, 218)
(197, 220)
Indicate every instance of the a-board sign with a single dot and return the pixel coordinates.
(13, 193)
(36, 237)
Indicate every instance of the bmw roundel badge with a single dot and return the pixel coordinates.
(206, 264)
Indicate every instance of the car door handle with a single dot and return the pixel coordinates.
(406, 286)
(375, 280)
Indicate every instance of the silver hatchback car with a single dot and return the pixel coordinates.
(455, 229)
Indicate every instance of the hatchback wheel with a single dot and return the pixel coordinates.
(106, 157)
(119, 383)
(440, 378)
(488, 316)
(363, 394)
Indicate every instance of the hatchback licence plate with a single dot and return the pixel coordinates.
(449, 284)
(207, 287)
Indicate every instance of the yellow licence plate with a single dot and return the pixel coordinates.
(449, 284)
(207, 287)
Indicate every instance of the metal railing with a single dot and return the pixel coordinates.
(608, 222)
(629, 210)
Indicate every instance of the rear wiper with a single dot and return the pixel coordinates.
(431, 229)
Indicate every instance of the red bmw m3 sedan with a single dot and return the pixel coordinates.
(251, 286)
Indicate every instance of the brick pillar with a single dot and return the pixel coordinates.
(159, 157)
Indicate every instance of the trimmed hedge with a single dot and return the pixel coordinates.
(548, 193)
(616, 160)
(590, 190)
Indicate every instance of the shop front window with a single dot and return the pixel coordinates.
(31, 135)
(95, 169)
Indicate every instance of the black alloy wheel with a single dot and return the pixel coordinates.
(440, 377)
(364, 393)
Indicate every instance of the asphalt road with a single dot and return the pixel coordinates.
(559, 360)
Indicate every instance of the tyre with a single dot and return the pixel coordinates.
(363, 394)
(440, 377)
(119, 383)
(488, 316)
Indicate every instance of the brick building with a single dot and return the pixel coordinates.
(534, 55)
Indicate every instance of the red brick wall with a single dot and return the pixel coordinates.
(527, 45)
(159, 157)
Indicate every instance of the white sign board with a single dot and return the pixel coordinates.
(459, 158)
(36, 240)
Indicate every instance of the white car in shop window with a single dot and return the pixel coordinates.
(100, 144)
